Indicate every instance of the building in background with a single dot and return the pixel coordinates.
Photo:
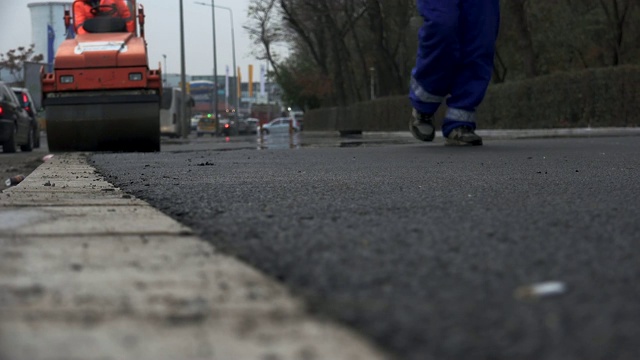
(47, 19)
(201, 89)
(226, 102)
(272, 95)
(173, 80)
(5, 75)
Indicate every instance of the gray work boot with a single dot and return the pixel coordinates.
(463, 136)
(421, 126)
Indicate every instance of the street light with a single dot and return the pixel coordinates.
(215, 62)
(235, 68)
(183, 76)
(215, 66)
(233, 49)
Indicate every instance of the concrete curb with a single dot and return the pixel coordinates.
(517, 133)
(551, 133)
(89, 272)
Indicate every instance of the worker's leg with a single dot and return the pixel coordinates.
(479, 23)
(437, 54)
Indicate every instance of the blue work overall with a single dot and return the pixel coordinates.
(455, 58)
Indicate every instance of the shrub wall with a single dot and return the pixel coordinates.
(606, 97)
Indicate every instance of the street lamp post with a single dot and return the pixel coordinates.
(235, 68)
(215, 63)
(233, 46)
(215, 66)
(183, 76)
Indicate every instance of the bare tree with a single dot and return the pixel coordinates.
(499, 69)
(264, 30)
(517, 9)
(13, 61)
(333, 44)
(616, 12)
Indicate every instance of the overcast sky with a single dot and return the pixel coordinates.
(163, 33)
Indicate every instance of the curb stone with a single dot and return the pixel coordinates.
(89, 272)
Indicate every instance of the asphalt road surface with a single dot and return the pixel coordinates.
(428, 250)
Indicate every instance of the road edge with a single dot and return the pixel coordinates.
(68, 234)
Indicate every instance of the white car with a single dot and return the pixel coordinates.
(194, 122)
(280, 125)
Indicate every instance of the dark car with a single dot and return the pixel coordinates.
(251, 126)
(16, 126)
(26, 100)
(229, 127)
(226, 127)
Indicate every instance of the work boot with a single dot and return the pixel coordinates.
(463, 136)
(421, 126)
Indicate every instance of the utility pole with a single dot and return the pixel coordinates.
(215, 67)
(183, 76)
(235, 68)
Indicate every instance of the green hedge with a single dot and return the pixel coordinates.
(605, 97)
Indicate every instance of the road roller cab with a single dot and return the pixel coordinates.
(101, 94)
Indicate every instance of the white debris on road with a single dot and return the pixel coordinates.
(543, 289)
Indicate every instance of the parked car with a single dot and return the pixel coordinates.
(226, 127)
(27, 103)
(206, 125)
(280, 125)
(299, 116)
(16, 126)
(249, 126)
(244, 127)
(194, 122)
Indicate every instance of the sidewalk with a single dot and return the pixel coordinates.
(88, 272)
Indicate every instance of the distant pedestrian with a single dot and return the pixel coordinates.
(454, 62)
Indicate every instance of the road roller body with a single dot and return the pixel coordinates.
(101, 94)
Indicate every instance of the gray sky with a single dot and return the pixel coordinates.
(163, 33)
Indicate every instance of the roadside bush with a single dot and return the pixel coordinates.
(604, 97)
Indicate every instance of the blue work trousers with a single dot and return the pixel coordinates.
(455, 58)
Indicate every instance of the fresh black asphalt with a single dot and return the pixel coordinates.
(422, 247)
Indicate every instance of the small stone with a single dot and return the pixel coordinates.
(76, 267)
